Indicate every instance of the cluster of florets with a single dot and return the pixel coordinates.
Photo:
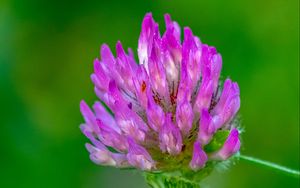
(165, 112)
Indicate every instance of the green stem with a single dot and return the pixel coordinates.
(274, 166)
(165, 180)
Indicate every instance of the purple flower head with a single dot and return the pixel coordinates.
(165, 112)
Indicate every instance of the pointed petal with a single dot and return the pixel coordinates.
(149, 31)
(228, 104)
(212, 61)
(199, 157)
(172, 71)
(130, 123)
(155, 114)
(225, 94)
(184, 116)
(185, 85)
(121, 54)
(115, 95)
(89, 117)
(109, 64)
(230, 147)
(216, 70)
(191, 54)
(100, 78)
(206, 127)
(107, 57)
(110, 137)
(139, 157)
(124, 68)
(131, 60)
(100, 156)
(171, 54)
(205, 93)
(105, 116)
(157, 73)
(102, 95)
(170, 24)
(170, 137)
(172, 40)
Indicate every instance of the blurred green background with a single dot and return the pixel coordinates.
(46, 54)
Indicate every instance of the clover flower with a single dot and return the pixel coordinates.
(168, 111)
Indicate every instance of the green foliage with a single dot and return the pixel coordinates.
(182, 178)
(168, 181)
(217, 141)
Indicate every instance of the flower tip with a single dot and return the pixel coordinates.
(236, 88)
(206, 127)
(227, 83)
(119, 45)
(89, 147)
(168, 20)
(120, 50)
(86, 112)
(97, 67)
(148, 14)
(234, 134)
(106, 55)
(230, 147)
(184, 116)
(96, 60)
(104, 49)
(82, 105)
(199, 157)
(148, 20)
(138, 156)
(187, 32)
(170, 137)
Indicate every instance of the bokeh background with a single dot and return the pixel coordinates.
(46, 54)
